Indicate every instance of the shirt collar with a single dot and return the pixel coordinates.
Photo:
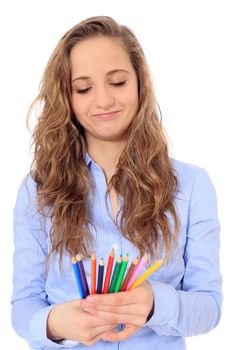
(87, 158)
(90, 162)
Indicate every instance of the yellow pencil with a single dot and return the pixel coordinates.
(147, 273)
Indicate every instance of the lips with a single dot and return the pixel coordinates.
(105, 115)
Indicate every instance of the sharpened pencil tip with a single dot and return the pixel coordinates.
(78, 257)
(73, 260)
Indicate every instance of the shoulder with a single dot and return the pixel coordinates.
(185, 170)
(25, 204)
(26, 199)
(191, 177)
(27, 189)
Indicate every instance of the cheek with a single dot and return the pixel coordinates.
(131, 97)
(132, 101)
(78, 107)
(74, 103)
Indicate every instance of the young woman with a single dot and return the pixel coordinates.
(101, 179)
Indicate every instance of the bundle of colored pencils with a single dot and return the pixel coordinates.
(114, 281)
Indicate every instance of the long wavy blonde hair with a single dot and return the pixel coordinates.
(144, 178)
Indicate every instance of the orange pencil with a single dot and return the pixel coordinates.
(109, 271)
(93, 273)
(128, 275)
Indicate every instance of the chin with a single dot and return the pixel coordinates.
(111, 137)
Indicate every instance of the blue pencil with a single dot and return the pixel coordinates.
(83, 275)
(78, 277)
(100, 277)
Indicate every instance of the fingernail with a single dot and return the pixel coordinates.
(91, 299)
(84, 303)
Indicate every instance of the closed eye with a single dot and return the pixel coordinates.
(83, 91)
(119, 84)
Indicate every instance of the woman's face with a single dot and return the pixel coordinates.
(104, 88)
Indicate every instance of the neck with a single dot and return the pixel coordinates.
(106, 154)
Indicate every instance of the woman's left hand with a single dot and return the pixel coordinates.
(130, 308)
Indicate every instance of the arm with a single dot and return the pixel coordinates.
(30, 307)
(196, 308)
(41, 324)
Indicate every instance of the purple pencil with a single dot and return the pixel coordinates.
(78, 277)
(83, 275)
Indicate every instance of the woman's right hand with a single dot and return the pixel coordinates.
(69, 321)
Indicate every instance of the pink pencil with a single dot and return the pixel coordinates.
(137, 270)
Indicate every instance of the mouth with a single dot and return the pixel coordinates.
(105, 115)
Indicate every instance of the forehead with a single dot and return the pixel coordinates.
(99, 55)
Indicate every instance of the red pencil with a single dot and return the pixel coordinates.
(109, 271)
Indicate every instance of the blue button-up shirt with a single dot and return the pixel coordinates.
(187, 291)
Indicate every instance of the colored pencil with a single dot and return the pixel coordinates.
(147, 273)
(93, 273)
(83, 275)
(78, 277)
(109, 271)
(121, 273)
(100, 276)
(137, 270)
(115, 274)
(128, 275)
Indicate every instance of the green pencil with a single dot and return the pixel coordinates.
(115, 274)
(121, 273)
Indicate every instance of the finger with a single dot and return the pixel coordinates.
(127, 332)
(120, 309)
(95, 334)
(96, 331)
(134, 296)
(119, 318)
(120, 298)
(90, 321)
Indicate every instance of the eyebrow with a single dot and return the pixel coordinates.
(109, 73)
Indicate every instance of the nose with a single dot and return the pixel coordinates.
(104, 99)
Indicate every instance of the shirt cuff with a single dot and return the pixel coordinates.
(38, 331)
(166, 303)
(67, 343)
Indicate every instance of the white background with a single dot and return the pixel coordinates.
(188, 45)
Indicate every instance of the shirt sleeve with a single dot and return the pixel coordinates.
(30, 307)
(196, 308)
